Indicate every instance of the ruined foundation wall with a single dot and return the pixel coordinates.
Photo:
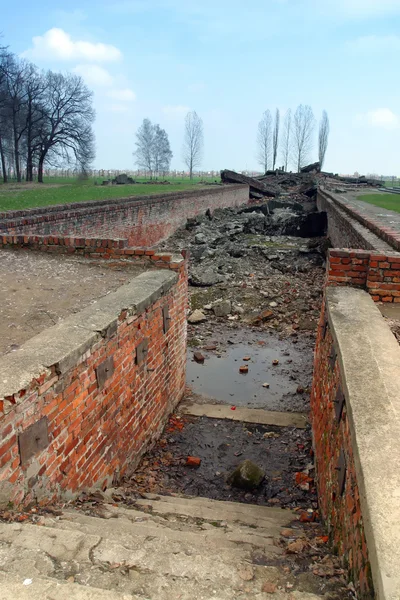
(378, 274)
(355, 409)
(344, 230)
(83, 400)
(141, 221)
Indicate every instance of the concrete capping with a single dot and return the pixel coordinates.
(369, 360)
(114, 203)
(373, 235)
(62, 345)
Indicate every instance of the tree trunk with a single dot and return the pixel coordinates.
(16, 160)
(29, 165)
(40, 169)
(3, 162)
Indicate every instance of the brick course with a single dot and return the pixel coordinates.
(375, 272)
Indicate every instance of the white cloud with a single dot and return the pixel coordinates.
(58, 44)
(381, 117)
(94, 75)
(125, 95)
(118, 108)
(375, 43)
(175, 111)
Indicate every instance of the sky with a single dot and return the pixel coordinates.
(230, 61)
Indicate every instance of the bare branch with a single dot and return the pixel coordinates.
(264, 140)
(193, 142)
(303, 131)
(323, 137)
(286, 139)
(275, 140)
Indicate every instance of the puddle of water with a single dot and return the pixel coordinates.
(219, 378)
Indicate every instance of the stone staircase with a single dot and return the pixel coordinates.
(161, 548)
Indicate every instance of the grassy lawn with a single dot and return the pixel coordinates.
(18, 196)
(388, 201)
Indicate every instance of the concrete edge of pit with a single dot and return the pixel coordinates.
(369, 358)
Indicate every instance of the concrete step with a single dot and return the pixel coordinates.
(123, 523)
(214, 510)
(245, 415)
(13, 587)
(162, 548)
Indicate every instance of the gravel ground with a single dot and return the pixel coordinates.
(37, 291)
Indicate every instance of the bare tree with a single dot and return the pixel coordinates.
(66, 132)
(162, 153)
(15, 72)
(193, 142)
(275, 139)
(303, 130)
(264, 140)
(4, 58)
(286, 138)
(323, 137)
(145, 146)
(35, 115)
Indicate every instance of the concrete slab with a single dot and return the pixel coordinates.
(20, 588)
(246, 415)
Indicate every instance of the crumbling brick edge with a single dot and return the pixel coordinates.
(101, 383)
(377, 273)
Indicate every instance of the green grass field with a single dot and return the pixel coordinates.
(388, 201)
(58, 190)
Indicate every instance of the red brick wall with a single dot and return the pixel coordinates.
(142, 221)
(379, 274)
(97, 433)
(341, 512)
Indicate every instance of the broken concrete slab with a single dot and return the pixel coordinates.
(246, 415)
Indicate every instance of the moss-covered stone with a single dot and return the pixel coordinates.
(246, 476)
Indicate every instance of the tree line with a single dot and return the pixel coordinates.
(296, 140)
(46, 118)
(153, 152)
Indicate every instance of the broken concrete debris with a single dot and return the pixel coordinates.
(196, 317)
(247, 476)
(222, 308)
(256, 185)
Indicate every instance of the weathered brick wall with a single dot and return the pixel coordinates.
(96, 431)
(339, 503)
(142, 221)
(344, 231)
(379, 274)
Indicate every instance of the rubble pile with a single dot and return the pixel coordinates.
(261, 265)
(298, 186)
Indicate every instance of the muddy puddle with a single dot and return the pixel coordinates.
(282, 386)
